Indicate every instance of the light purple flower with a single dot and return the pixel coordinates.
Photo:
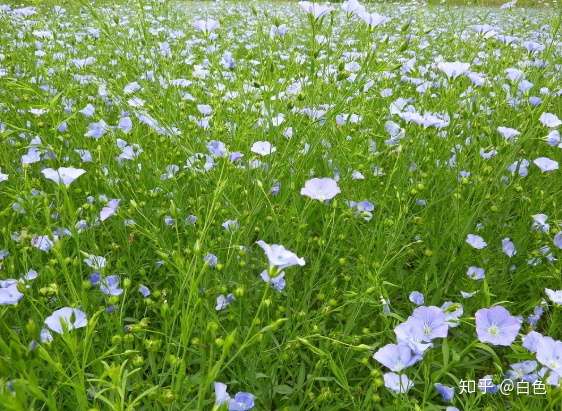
(72, 318)
(411, 332)
(223, 301)
(110, 285)
(242, 401)
(434, 322)
(277, 282)
(475, 273)
(63, 175)
(546, 164)
(446, 392)
(496, 326)
(211, 260)
(42, 242)
(315, 9)
(144, 290)
(110, 209)
(263, 148)
(279, 256)
(396, 357)
(397, 383)
(453, 69)
(416, 298)
(558, 240)
(531, 341)
(320, 189)
(9, 293)
(217, 148)
(550, 120)
(549, 354)
(476, 241)
(554, 295)
(508, 247)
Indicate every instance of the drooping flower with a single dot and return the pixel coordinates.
(496, 326)
(70, 318)
(396, 357)
(320, 189)
(447, 393)
(63, 175)
(397, 383)
(279, 257)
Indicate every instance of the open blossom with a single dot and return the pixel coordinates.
(496, 326)
(549, 354)
(263, 148)
(320, 189)
(9, 293)
(206, 26)
(63, 175)
(554, 295)
(453, 69)
(242, 401)
(546, 164)
(396, 357)
(67, 317)
(279, 256)
(315, 9)
(476, 241)
(434, 322)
